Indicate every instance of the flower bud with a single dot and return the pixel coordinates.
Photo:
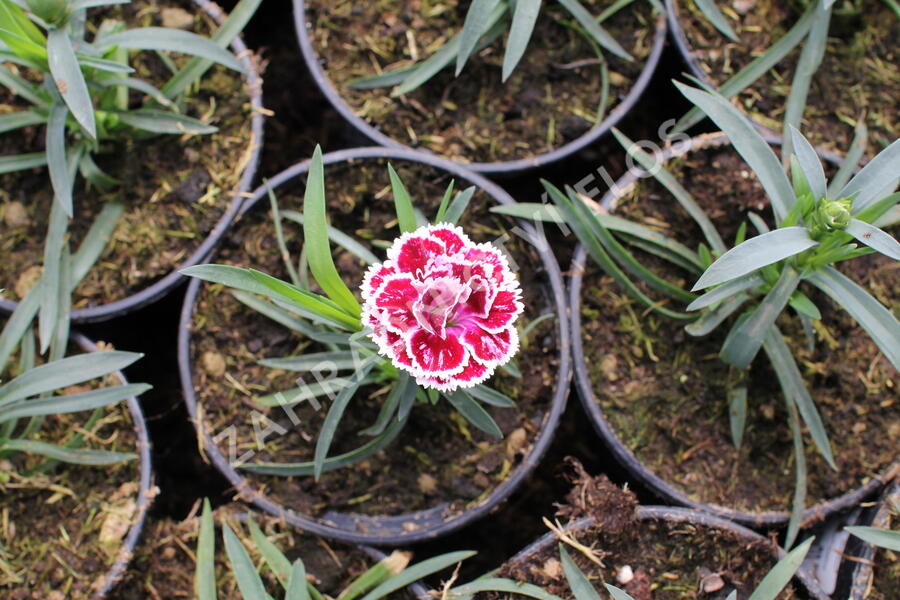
(52, 12)
(834, 214)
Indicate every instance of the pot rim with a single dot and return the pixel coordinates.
(680, 515)
(497, 168)
(863, 572)
(161, 287)
(662, 488)
(145, 494)
(389, 531)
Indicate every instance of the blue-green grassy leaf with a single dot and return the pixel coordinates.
(90, 171)
(95, 241)
(388, 79)
(745, 339)
(169, 40)
(315, 234)
(873, 178)
(338, 237)
(69, 79)
(801, 303)
(737, 413)
(794, 388)
(57, 405)
(336, 412)
(56, 157)
(417, 572)
(810, 164)
(598, 33)
(143, 87)
(523, 20)
(390, 406)
(655, 167)
(883, 538)
(297, 587)
(459, 205)
(619, 594)
(406, 215)
(477, 23)
(161, 121)
(75, 456)
(103, 64)
(807, 65)
(474, 413)
(711, 319)
(726, 290)
(877, 320)
(276, 560)
(798, 504)
(749, 144)
(20, 119)
(63, 373)
(715, 16)
(875, 211)
(445, 202)
(502, 585)
(755, 253)
(854, 154)
(874, 238)
(285, 317)
(205, 570)
(782, 572)
(248, 580)
(578, 581)
(21, 162)
(240, 15)
(489, 395)
(308, 362)
(83, 4)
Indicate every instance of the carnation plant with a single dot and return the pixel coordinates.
(487, 20)
(84, 94)
(437, 318)
(818, 224)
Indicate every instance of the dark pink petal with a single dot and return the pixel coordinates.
(437, 303)
(473, 374)
(452, 240)
(396, 347)
(481, 298)
(435, 355)
(374, 277)
(395, 300)
(414, 252)
(488, 348)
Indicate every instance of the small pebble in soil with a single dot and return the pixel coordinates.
(177, 18)
(427, 484)
(15, 215)
(712, 583)
(743, 6)
(624, 575)
(214, 363)
(516, 441)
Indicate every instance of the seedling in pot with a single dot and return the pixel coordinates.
(90, 96)
(438, 317)
(818, 224)
(486, 20)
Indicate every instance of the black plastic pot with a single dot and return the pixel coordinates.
(160, 288)
(677, 515)
(664, 489)
(144, 494)
(500, 168)
(862, 571)
(429, 523)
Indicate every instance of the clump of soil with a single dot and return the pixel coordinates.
(554, 96)
(63, 525)
(859, 73)
(664, 392)
(174, 188)
(649, 557)
(164, 563)
(439, 460)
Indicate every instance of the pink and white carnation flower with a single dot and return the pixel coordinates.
(443, 308)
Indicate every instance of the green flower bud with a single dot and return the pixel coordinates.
(52, 12)
(834, 214)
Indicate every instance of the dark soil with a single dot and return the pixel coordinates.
(438, 458)
(553, 96)
(175, 188)
(62, 529)
(859, 75)
(165, 562)
(664, 392)
(668, 559)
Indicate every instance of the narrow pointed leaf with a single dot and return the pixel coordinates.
(297, 584)
(406, 216)
(169, 40)
(502, 585)
(711, 319)
(474, 413)
(72, 402)
(781, 573)
(600, 35)
(21, 162)
(875, 211)
(476, 25)
(883, 538)
(69, 80)
(205, 570)
(715, 16)
(459, 205)
(755, 253)
(523, 20)
(317, 361)
(873, 178)
(489, 395)
(794, 387)
(160, 121)
(810, 165)
(75, 456)
(20, 119)
(726, 290)
(874, 238)
(337, 237)
(737, 413)
(798, 504)
(248, 580)
(619, 594)
(578, 582)
(56, 157)
(877, 320)
(854, 154)
(277, 561)
(416, 572)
